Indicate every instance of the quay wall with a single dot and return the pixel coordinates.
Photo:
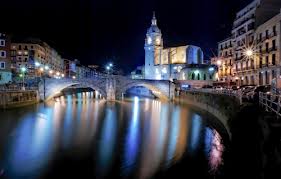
(13, 99)
(225, 108)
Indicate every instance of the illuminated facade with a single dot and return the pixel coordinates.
(5, 59)
(33, 55)
(258, 30)
(166, 63)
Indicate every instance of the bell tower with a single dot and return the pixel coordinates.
(153, 47)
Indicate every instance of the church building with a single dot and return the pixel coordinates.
(167, 63)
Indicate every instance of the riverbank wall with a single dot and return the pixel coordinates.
(14, 99)
(225, 108)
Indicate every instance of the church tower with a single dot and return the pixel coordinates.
(153, 48)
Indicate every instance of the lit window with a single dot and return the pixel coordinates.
(149, 40)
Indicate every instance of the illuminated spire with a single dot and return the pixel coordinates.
(154, 20)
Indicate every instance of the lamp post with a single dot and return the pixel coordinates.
(23, 70)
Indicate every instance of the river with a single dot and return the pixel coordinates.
(77, 135)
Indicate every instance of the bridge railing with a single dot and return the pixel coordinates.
(237, 94)
(271, 103)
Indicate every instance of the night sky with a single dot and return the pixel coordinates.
(95, 31)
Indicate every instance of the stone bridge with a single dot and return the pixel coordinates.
(111, 87)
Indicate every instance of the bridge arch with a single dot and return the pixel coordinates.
(53, 87)
(158, 91)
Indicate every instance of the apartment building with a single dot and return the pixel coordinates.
(5, 59)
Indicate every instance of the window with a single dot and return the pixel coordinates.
(266, 46)
(2, 65)
(273, 59)
(205, 77)
(266, 59)
(2, 43)
(273, 74)
(2, 54)
(266, 33)
(19, 47)
(198, 77)
(273, 44)
(274, 30)
(260, 36)
(192, 76)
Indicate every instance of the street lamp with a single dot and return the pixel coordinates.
(249, 53)
(23, 70)
(46, 67)
(37, 64)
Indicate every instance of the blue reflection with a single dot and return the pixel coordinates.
(164, 116)
(32, 146)
(67, 126)
(173, 139)
(133, 138)
(208, 141)
(107, 143)
(195, 132)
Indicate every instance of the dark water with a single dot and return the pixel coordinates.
(76, 135)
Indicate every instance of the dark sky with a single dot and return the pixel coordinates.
(94, 31)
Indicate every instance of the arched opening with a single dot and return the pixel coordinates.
(55, 89)
(192, 76)
(205, 77)
(143, 90)
(198, 76)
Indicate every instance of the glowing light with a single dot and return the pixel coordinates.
(41, 69)
(46, 67)
(149, 40)
(62, 75)
(37, 64)
(196, 71)
(219, 62)
(164, 70)
(73, 77)
(158, 41)
(21, 75)
(107, 67)
(110, 65)
(58, 73)
(23, 69)
(249, 52)
(211, 69)
(51, 71)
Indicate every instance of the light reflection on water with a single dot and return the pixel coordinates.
(132, 138)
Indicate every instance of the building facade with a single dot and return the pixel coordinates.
(5, 59)
(246, 56)
(166, 63)
(37, 57)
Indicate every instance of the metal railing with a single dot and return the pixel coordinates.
(270, 102)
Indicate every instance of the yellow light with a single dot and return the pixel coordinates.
(51, 71)
(58, 73)
(41, 69)
(62, 75)
(219, 62)
(249, 52)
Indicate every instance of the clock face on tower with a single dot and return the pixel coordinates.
(149, 40)
(158, 40)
